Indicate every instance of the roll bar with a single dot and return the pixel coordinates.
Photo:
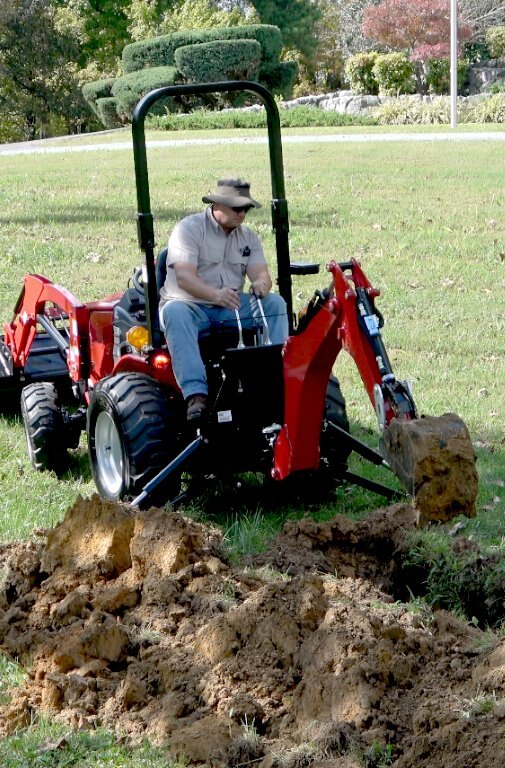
(145, 222)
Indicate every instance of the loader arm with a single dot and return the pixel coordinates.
(33, 309)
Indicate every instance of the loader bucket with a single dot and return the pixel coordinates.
(433, 458)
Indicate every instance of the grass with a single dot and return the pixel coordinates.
(50, 745)
(425, 219)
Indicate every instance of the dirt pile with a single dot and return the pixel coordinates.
(134, 621)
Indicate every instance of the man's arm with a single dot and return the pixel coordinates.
(189, 281)
(261, 282)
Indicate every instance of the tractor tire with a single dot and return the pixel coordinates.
(132, 435)
(318, 486)
(44, 427)
(335, 450)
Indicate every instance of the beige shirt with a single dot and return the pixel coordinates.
(221, 259)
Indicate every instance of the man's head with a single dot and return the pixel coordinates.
(231, 200)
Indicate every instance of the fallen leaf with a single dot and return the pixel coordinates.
(50, 746)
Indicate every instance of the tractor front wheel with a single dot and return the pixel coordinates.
(131, 436)
(44, 426)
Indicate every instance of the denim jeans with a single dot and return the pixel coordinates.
(182, 322)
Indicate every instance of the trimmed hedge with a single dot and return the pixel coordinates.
(129, 89)
(99, 89)
(220, 60)
(280, 77)
(106, 110)
(160, 51)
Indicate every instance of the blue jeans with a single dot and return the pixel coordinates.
(182, 322)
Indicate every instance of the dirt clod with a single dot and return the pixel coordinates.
(252, 667)
(434, 458)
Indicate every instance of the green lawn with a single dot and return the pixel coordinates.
(425, 219)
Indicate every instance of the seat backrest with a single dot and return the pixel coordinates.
(161, 269)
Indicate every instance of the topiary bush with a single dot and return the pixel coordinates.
(359, 72)
(279, 77)
(394, 73)
(495, 41)
(223, 60)
(106, 110)
(160, 51)
(129, 89)
(99, 89)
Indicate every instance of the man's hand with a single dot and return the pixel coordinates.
(228, 298)
(260, 287)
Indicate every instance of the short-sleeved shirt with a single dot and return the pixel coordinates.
(221, 259)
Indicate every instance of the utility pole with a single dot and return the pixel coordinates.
(454, 63)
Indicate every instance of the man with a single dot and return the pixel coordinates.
(209, 256)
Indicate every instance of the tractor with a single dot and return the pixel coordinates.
(274, 409)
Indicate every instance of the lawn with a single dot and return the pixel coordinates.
(427, 222)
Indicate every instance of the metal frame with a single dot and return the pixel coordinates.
(145, 221)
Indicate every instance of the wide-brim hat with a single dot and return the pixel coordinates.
(233, 193)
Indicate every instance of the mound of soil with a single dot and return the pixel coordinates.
(134, 621)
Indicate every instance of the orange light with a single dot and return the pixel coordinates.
(138, 337)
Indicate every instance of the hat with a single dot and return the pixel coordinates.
(233, 193)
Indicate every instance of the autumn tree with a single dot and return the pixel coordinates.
(419, 27)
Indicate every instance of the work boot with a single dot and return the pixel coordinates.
(197, 405)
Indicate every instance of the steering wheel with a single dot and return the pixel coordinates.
(138, 280)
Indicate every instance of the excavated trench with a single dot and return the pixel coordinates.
(304, 656)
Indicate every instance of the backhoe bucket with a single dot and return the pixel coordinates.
(433, 458)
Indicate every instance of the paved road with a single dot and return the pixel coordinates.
(66, 145)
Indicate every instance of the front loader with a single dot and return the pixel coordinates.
(274, 409)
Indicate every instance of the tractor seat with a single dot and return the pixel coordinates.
(161, 269)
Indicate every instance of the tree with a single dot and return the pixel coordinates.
(37, 77)
(296, 20)
(419, 27)
(482, 14)
(352, 39)
(102, 27)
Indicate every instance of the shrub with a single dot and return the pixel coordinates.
(359, 72)
(11, 127)
(223, 60)
(106, 109)
(99, 89)
(129, 89)
(490, 109)
(279, 78)
(395, 112)
(394, 73)
(302, 116)
(438, 75)
(495, 41)
(160, 51)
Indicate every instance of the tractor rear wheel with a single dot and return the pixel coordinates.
(44, 426)
(335, 450)
(132, 435)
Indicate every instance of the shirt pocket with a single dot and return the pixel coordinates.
(238, 260)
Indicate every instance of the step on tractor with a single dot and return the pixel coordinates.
(275, 410)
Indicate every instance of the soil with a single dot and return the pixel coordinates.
(135, 621)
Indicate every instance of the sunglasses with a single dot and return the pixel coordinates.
(242, 208)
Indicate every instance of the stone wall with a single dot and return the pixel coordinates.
(485, 73)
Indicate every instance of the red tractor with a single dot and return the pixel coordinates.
(103, 366)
